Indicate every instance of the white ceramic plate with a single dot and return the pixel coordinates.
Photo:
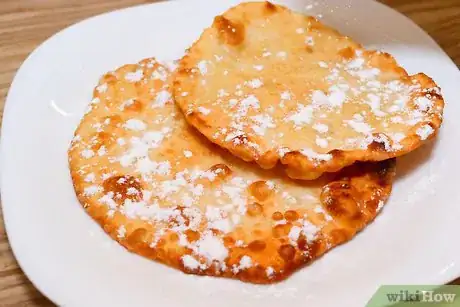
(74, 263)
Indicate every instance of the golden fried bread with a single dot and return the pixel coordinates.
(270, 85)
(164, 191)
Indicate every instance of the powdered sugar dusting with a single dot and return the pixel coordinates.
(202, 66)
(312, 155)
(261, 123)
(134, 76)
(135, 124)
(424, 132)
(161, 99)
(182, 190)
(303, 115)
(210, 248)
(190, 262)
(204, 111)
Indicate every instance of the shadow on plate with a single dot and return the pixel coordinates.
(406, 164)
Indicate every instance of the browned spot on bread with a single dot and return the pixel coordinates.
(378, 144)
(338, 236)
(192, 235)
(103, 139)
(174, 237)
(302, 242)
(114, 120)
(109, 78)
(231, 33)
(182, 219)
(257, 245)
(270, 7)
(433, 93)
(196, 118)
(240, 139)
(229, 241)
(315, 249)
(187, 71)
(160, 254)
(347, 53)
(255, 209)
(386, 173)
(385, 62)
(281, 230)
(137, 237)
(260, 190)
(135, 106)
(300, 168)
(337, 154)
(338, 200)
(372, 205)
(268, 160)
(123, 187)
(258, 272)
(291, 215)
(287, 252)
(258, 233)
(277, 216)
(308, 49)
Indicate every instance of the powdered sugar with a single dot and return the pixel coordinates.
(190, 263)
(424, 132)
(303, 116)
(92, 190)
(125, 104)
(294, 234)
(135, 124)
(141, 145)
(249, 102)
(160, 74)
(87, 153)
(203, 110)
(269, 271)
(286, 95)
(321, 142)
(102, 88)
(202, 66)
(255, 83)
(321, 128)
(360, 127)
(424, 104)
(282, 54)
(309, 230)
(161, 99)
(121, 232)
(261, 123)
(210, 248)
(335, 98)
(135, 76)
(245, 262)
(313, 155)
(309, 41)
(90, 177)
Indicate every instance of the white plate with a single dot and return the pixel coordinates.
(74, 263)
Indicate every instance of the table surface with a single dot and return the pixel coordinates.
(24, 24)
